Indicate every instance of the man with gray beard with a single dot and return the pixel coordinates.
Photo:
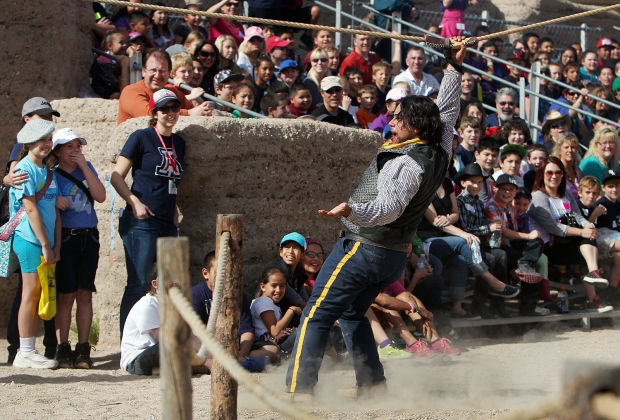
(506, 104)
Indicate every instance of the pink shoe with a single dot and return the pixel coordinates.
(421, 348)
(443, 345)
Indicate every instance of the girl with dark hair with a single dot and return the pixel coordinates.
(312, 261)
(568, 236)
(155, 157)
(160, 33)
(208, 54)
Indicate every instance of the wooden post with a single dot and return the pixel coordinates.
(174, 334)
(223, 386)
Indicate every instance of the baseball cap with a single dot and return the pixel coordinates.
(161, 98)
(66, 135)
(276, 41)
(253, 31)
(226, 76)
(329, 82)
(175, 49)
(605, 42)
(38, 105)
(512, 148)
(517, 55)
(34, 130)
(295, 237)
(288, 64)
(134, 36)
(506, 179)
(609, 175)
(395, 94)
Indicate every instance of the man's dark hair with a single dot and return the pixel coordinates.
(545, 39)
(158, 53)
(207, 261)
(487, 44)
(269, 101)
(277, 86)
(487, 143)
(529, 35)
(420, 112)
(298, 87)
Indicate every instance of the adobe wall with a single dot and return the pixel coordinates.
(275, 172)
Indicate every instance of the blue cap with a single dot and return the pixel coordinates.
(295, 237)
(35, 130)
(288, 64)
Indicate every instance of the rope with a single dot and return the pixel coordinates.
(373, 34)
(231, 364)
(220, 279)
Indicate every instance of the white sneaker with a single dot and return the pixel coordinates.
(33, 360)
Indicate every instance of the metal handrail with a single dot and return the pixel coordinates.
(499, 60)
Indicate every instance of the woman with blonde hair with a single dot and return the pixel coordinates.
(318, 70)
(227, 47)
(252, 47)
(603, 153)
(567, 150)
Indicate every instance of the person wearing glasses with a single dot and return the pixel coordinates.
(330, 111)
(134, 100)
(318, 70)
(603, 153)
(568, 236)
(155, 157)
(220, 26)
(506, 105)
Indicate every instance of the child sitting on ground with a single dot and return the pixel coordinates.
(270, 324)
(301, 101)
(367, 98)
(469, 131)
(510, 158)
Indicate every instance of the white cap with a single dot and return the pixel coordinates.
(64, 136)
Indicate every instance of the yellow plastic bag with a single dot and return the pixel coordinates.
(47, 277)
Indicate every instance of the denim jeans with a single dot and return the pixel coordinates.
(140, 243)
(456, 258)
(145, 362)
(349, 281)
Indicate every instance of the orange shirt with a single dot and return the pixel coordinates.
(134, 101)
(364, 118)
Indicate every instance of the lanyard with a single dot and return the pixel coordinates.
(404, 143)
(173, 159)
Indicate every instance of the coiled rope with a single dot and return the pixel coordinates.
(231, 364)
(220, 279)
(176, 10)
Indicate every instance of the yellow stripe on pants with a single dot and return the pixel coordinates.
(314, 308)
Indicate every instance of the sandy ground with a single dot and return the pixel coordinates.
(491, 376)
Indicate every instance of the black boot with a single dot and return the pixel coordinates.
(82, 356)
(529, 298)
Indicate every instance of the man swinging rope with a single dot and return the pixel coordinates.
(381, 219)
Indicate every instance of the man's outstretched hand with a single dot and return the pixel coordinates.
(341, 210)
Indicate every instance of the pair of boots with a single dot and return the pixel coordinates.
(79, 358)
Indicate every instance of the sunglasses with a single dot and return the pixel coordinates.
(506, 103)
(333, 90)
(322, 60)
(551, 173)
(206, 54)
(311, 254)
(170, 108)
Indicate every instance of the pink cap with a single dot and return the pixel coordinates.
(253, 31)
(396, 94)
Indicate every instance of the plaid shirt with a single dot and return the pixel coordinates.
(472, 215)
(506, 215)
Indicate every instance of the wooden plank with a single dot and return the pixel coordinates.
(223, 387)
(175, 334)
(572, 315)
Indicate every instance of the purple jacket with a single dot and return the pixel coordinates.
(379, 123)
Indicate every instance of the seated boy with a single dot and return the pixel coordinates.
(469, 131)
(288, 72)
(486, 157)
(274, 106)
(537, 158)
(381, 79)
(367, 98)
(522, 249)
(510, 162)
(301, 101)
(182, 73)
(202, 296)
(225, 82)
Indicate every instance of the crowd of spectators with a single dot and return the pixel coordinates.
(512, 210)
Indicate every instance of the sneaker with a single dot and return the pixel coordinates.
(508, 292)
(597, 306)
(255, 364)
(392, 352)
(64, 356)
(596, 278)
(542, 311)
(527, 274)
(420, 348)
(82, 356)
(443, 345)
(33, 360)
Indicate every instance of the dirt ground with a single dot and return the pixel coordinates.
(490, 377)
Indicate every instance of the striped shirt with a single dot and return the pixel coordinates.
(400, 178)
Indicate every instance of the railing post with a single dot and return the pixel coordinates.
(534, 100)
(338, 36)
(396, 26)
(522, 98)
(485, 18)
(584, 37)
(135, 68)
(223, 386)
(174, 333)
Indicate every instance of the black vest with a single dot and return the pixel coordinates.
(399, 233)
